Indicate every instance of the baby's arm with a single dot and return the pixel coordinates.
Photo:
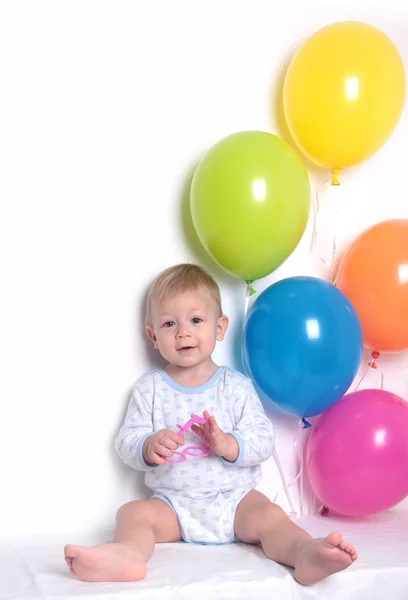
(159, 447)
(253, 430)
(223, 444)
(137, 444)
(136, 428)
(252, 439)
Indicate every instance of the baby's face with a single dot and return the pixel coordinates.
(186, 327)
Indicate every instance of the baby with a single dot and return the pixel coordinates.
(207, 499)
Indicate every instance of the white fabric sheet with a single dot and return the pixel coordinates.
(34, 569)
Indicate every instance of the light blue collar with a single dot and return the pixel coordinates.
(190, 390)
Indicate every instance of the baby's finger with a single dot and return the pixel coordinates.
(159, 460)
(163, 451)
(213, 425)
(169, 443)
(206, 415)
(197, 429)
(172, 435)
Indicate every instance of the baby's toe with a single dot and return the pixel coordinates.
(349, 548)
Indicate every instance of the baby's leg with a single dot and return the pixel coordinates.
(139, 525)
(257, 520)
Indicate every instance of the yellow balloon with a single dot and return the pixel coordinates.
(344, 93)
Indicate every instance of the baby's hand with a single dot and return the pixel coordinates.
(158, 447)
(223, 444)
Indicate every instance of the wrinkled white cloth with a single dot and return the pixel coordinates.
(33, 568)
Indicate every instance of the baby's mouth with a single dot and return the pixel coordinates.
(187, 348)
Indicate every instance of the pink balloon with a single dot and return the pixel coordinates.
(357, 454)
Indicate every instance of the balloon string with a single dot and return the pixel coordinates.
(246, 306)
(299, 448)
(316, 230)
(248, 293)
(316, 211)
(299, 453)
(371, 365)
(284, 483)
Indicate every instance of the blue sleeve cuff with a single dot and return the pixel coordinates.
(241, 449)
(140, 453)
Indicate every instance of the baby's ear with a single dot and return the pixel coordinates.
(222, 327)
(151, 335)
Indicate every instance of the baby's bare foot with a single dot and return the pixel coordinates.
(322, 557)
(107, 562)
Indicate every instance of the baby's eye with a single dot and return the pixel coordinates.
(169, 324)
(197, 320)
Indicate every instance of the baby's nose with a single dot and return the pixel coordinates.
(183, 332)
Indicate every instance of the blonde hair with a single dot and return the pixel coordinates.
(178, 279)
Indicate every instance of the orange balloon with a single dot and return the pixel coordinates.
(373, 274)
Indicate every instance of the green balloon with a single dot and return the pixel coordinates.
(250, 203)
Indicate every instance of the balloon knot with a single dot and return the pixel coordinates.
(372, 363)
(335, 180)
(306, 424)
(324, 511)
(250, 288)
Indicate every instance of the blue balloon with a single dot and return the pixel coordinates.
(303, 345)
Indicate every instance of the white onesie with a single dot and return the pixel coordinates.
(202, 492)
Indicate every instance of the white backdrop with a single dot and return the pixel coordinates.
(105, 109)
